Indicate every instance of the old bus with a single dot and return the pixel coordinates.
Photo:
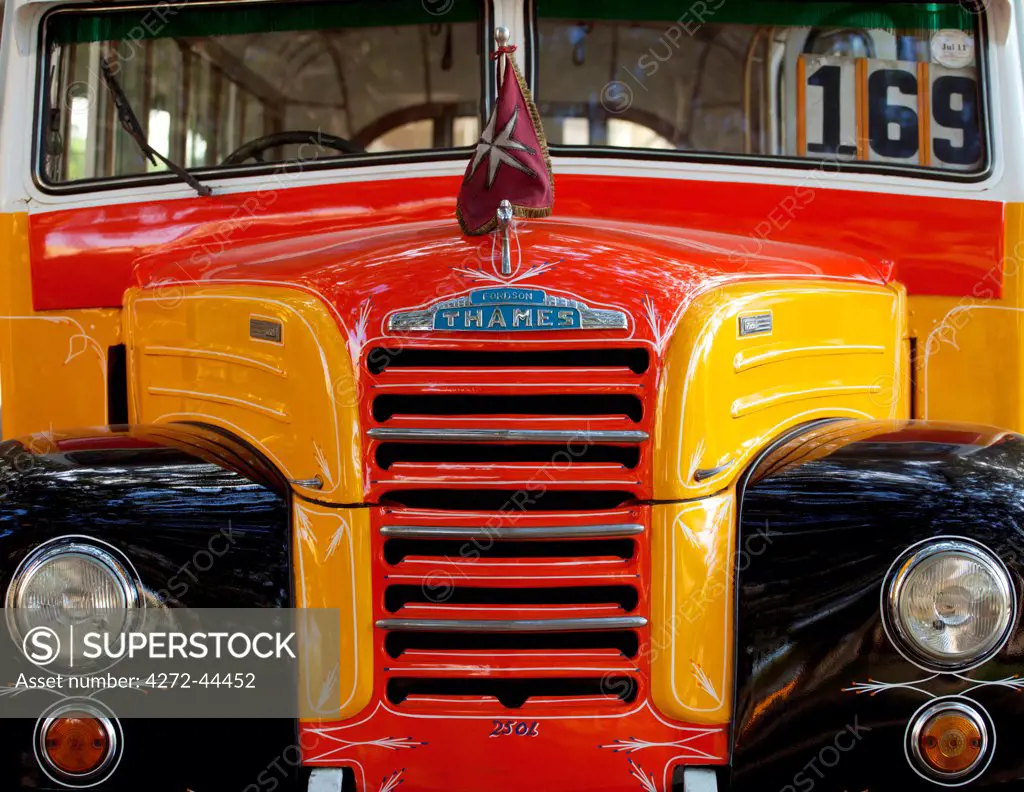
(748, 518)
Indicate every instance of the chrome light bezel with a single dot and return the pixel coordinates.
(94, 549)
(115, 739)
(973, 712)
(895, 582)
(121, 569)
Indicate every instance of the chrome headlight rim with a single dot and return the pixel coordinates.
(86, 546)
(111, 726)
(896, 578)
(974, 712)
(120, 567)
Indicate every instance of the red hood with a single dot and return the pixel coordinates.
(643, 270)
(85, 257)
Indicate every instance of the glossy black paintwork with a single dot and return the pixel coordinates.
(160, 495)
(838, 505)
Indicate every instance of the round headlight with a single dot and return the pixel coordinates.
(72, 580)
(950, 603)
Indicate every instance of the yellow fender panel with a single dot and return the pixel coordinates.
(332, 570)
(193, 356)
(833, 350)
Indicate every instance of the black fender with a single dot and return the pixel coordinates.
(822, 700)
(205, 520)
(175, 500)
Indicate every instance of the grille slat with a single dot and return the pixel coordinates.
(508, 500)
(514, 693)
(512, 625)
(387, 407)
(397, 550)
(441, 456)
(625, 643)
(484, 532)
(507, 435)
(537, 599)
(512, 664)
(635, 360)
(456, 475)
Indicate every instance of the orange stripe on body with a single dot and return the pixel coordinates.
(924, 115)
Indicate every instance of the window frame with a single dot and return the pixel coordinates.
(207, 175)
(787, 162)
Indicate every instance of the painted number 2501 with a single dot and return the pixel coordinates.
(515, 729)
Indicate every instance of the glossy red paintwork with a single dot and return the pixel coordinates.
(603, 751)
(84, 258)
(578, 744)
(443, 742)
(366, 275)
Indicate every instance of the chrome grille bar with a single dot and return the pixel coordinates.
(512, 625)
(536, 532)
(507, 435)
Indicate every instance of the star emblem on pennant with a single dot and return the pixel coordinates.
(496, 149)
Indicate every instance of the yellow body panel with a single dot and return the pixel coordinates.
(692, 549)
(54, 364)
(969, 363)
(835, 350)
(331, 552)
(191, 358)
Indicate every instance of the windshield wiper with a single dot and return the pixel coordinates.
(130, 124)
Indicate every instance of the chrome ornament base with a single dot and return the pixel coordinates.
(504, 224)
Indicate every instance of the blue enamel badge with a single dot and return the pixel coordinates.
(508, 309)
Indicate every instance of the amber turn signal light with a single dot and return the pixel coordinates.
(950, 743)
(950, 740)
(76, 744)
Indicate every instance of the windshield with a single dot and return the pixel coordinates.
(895, 84)
(220, 85)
